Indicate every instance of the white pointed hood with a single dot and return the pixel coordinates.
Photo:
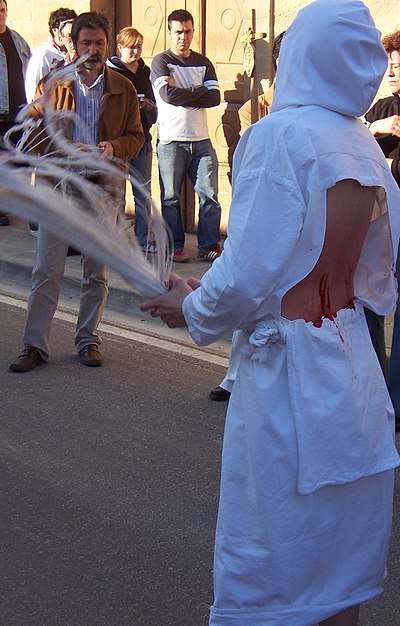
(332, 57)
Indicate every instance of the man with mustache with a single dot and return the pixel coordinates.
(107, 116)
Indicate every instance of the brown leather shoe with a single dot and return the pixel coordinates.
(27, 360)
(90, 355)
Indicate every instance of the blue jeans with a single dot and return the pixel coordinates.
(198, 160)
(141, 189)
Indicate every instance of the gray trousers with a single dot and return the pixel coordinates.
(47, 274)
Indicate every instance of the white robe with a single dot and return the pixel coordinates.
(307, 470)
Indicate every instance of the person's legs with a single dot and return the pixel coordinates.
(4, 127)
(376, 327)
(394, 364)
(235, 353)
(224, 389)
(203, 173)
(142, 191)
(94, 292)
(47, 274)
(348, 617)
(173, 159)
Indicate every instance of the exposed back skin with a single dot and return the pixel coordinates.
(329, 286)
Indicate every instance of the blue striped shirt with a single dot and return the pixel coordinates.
(88, 100)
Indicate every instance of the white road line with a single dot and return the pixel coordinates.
(147, 339)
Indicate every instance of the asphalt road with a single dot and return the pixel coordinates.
(109, 486)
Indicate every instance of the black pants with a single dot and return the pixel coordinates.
(5, 126)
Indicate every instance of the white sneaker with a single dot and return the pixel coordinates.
(150, 248)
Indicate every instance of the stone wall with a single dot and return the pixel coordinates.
(30, 18)
(386, 14)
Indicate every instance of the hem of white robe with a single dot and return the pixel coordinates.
(288, 615)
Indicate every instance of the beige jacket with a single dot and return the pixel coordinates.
(119, 121)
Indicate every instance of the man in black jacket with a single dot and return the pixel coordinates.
(383, 120)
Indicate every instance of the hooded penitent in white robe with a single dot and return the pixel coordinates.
(307, 470)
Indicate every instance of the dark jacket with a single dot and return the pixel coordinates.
(390, 145)
(142, 84)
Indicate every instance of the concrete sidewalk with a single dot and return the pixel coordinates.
(17, 258)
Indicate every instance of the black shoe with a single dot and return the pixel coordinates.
(90, 355)
(397, 424)
(4, 220)
(219, 394)
(72, 251)
(27, 360)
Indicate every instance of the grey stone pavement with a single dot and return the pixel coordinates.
(17, 257)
